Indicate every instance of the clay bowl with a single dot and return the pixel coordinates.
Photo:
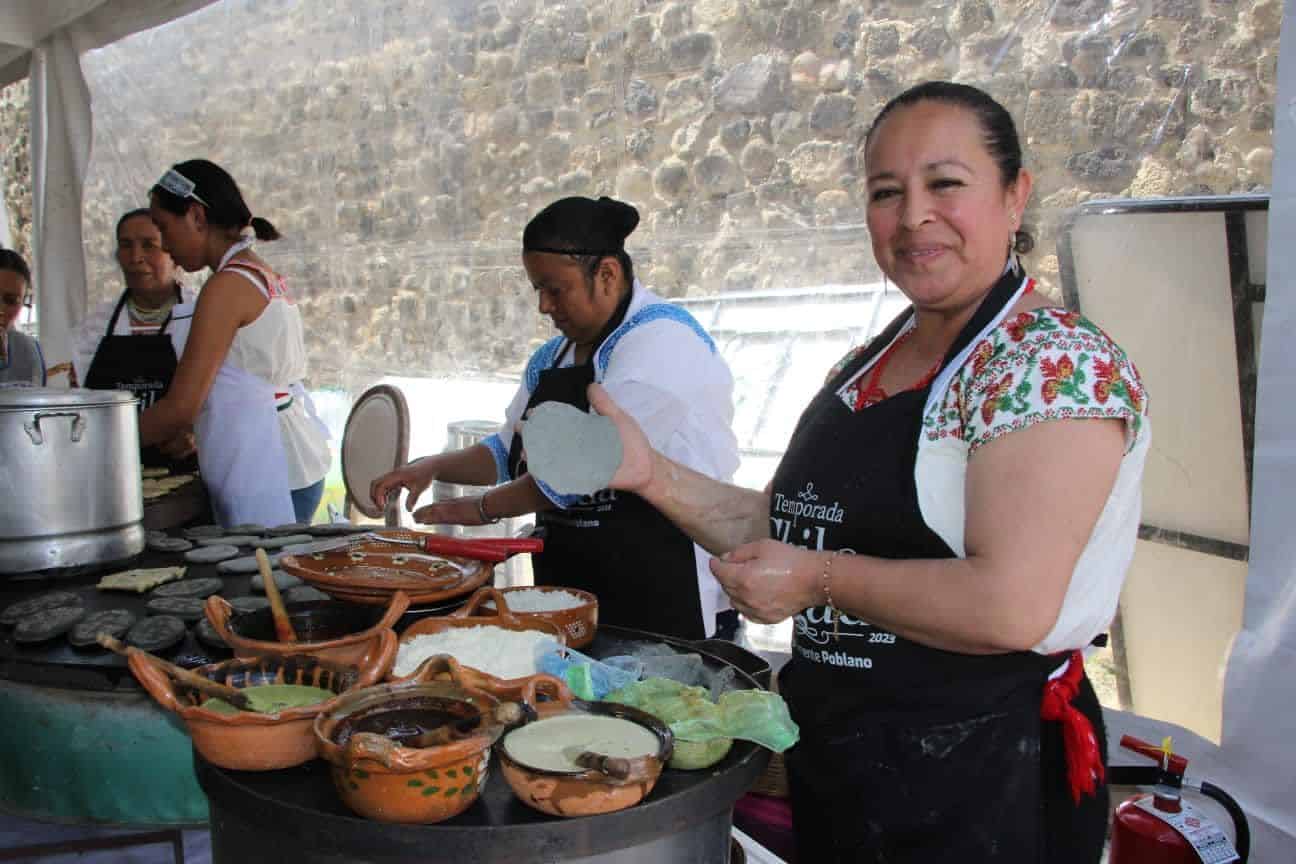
(599, 789)
(578, 623)
(511, 688)
(249, 741)
(328, 629)
(378, 768)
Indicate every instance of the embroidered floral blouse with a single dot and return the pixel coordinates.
(1036, 366)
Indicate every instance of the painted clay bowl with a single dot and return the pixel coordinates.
(511, 688)
(578, 623)
(328, 629)
(604, 786)
(251, 741)
(384, 766)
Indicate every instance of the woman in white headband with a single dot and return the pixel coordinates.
(262, 451)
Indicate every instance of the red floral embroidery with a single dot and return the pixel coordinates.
(1056, 376)
(1018, 327)
(993, 394)
(1069, 320)
(982, 355)
(1108, 378)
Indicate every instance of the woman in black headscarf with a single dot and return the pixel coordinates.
(646, 573)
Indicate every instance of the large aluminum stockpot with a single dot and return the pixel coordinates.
(69, 479)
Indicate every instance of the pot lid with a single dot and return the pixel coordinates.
(44, 398)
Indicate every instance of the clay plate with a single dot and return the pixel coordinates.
(370, 572)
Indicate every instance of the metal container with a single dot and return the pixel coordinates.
(517, 570)
(70, 492)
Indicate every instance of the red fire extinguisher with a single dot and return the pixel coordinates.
(1160, 827)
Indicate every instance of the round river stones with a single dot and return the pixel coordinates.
(248, 604)
(47, 623)
(228, 540)
(196, 588)
(169, 544)
(207, 635)
(211, 554)
(114, 622)
(246, 564)
(283, 581)
(269, 543)
(303, 593)
(203, 531)
(290, 528)
(248, 528)
(156, 633)
(40, 603)
(183, 608)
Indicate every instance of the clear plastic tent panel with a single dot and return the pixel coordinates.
(400, 147)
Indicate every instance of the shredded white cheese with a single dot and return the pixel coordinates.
(493, 650)
(535, 600)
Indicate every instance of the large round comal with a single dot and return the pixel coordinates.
(69, 478)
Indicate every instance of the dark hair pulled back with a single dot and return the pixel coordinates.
(15, 263)
(589, 230)
(138, 212)
(221, 196)
(997, 130)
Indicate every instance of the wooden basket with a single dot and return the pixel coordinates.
(773, 780)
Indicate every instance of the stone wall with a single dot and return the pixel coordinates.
(400, 145)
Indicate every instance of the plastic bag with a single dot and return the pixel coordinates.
(705, 729)
(588, 678)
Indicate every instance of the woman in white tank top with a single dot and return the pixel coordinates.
(262, 451)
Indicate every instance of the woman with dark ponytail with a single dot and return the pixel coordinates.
(262, 451)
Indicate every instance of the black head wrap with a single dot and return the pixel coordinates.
(581, 226)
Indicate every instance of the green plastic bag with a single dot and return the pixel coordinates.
(704, 730)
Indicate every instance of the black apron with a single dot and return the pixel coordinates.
(613, 543)
(909, 753)
(144, 365)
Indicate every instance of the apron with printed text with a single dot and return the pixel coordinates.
(144, 365)
(908, 753)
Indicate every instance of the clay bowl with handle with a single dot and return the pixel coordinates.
(249, 740)
(599, 784)
(511, 688)
(415, 751)
(579, 623)
(328, 629)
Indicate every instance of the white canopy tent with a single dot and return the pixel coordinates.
(44, 40)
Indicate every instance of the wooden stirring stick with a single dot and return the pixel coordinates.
(283, 627)
(232, 695)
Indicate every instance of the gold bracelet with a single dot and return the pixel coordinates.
(481, 511)
(834, 614)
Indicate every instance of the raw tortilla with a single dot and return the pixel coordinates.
(574, 452)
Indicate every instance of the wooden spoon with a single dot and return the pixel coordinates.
(284, 631)
(232, 695)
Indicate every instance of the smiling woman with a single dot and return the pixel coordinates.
(950, 524)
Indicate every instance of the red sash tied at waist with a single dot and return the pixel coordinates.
(1083, 757)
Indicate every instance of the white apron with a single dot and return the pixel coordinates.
(240, 448)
